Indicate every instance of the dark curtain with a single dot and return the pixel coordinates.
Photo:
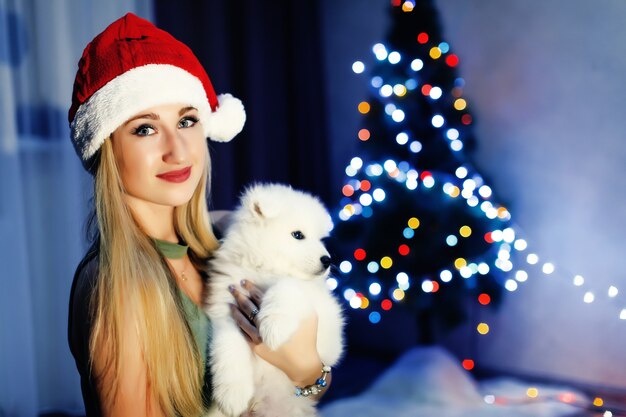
(268, 54)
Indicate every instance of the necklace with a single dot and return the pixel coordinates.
(182, 273)
(171, 250)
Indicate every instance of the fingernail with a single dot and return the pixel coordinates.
(231, 288)
(243, 282)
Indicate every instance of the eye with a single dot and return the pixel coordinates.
(187, 122)
(297, 235)
(144, 130)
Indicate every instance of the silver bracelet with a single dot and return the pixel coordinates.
(315, 388)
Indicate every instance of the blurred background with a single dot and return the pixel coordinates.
(542, 85)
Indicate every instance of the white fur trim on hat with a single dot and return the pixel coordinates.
(136, 90)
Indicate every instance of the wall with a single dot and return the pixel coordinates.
(544, 82)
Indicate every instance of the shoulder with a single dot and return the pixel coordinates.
(80, 323)
(79, 317)
(86, 274)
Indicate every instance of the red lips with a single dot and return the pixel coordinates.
(176, 176)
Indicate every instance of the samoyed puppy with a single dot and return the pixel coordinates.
(275, 241)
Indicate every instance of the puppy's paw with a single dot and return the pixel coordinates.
(276, 329)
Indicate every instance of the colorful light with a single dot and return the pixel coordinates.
(484, 299)
(359, 254)
(435, 52)
(482, 328)
(394, 57)
(521, 276)
(386, 304)
(445, 275)
(358, 67)
(397, 115)
(437, 120)
(402, 278)
(364, 107)
(510, 285)
(398, 294)
(364, 134)
(435, 93)
(404, 250)
(422, 38)
(402, 138)
(407, 6)
(417, 64)
(374, 317)
(460, 104)
(386, 262)
(372, 267)
(332, 283)
(380, 51)
(399, 90)
(413, 223)
(452, 60)
(375, 288)
(460, 263)
(468, 364)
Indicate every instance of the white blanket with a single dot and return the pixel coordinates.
(429, 382)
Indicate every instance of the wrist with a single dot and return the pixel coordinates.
(316, 387)
(307, 375)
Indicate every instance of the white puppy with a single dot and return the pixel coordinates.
(274, 241)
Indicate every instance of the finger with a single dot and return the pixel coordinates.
(256, 295)
(245, 304)
(244, 324)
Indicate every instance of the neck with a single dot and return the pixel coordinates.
(155, 220)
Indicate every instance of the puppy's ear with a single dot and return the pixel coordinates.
(262, 201)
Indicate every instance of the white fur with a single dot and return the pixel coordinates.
(259, 246)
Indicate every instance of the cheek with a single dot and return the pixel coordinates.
(137, 164)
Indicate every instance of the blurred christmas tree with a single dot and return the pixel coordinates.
(417, 227)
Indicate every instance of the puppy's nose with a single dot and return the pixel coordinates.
(325, 261)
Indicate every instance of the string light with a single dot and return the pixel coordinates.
(366, 192)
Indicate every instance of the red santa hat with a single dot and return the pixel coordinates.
(131, 66)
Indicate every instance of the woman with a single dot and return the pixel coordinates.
(142, 108)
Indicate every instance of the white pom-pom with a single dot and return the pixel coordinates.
(227, 121)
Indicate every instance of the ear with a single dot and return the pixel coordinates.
(262, 201)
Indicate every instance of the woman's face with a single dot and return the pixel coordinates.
(161, 153)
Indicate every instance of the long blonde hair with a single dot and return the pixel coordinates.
(134, 277)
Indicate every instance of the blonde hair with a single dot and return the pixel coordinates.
(133, 277)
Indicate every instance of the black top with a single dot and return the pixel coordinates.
(79, 331)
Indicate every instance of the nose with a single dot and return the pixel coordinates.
(325, 261)
(175, 150)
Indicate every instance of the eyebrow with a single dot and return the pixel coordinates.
(152, 116)
(155, 116)
(185, 110)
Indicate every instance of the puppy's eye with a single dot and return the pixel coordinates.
(297, 235)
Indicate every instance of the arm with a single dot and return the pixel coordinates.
(297, 358)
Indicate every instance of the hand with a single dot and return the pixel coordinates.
(298, 357)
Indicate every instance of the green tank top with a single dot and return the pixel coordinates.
(197, 320)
